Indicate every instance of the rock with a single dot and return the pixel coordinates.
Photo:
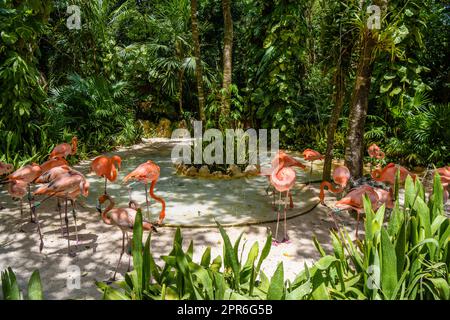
(234, 171)
(191, 172)
(179, 168)
(251, 170)
(204, 172)
(164, 128)
(217, 174)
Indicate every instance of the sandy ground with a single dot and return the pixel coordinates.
(100, 244)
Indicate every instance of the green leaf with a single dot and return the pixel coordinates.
(276, 288)
(206, 258)
(10, 286)
(388, 265)
(265, 252)
(230, 255)
(325, 262)
(35, 287)
(300, 292)
(442, 287)
(395, 92)
(137, 254)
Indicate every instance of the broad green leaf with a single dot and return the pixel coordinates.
(388, 265)
(300, 292)
(231, 257)
(206, 258)
(35, 287)
(276, 288)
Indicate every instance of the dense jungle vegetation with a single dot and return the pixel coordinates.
(311, 68)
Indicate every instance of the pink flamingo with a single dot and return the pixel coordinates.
(52, 174)
(145, 173)
(387, 174)
(311, 155)
(67, 186)
(53, 163)
(18, 189)
(283, 179)
(106, 167)
(27, 174)
(288, 162)
(375, 153)
(124, 219)
(354, 201)
(63, 150)
(5, 168)
(341, 176)
(444, 173)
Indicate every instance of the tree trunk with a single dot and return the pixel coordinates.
(354, 151)
(334, 120)
(227, 58)
(198, 60)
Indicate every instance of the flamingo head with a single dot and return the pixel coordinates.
(74, 145)
(103, 198)
(117, 160)
(84, 188)
(7, 168)
(376, 174)
(341, 175)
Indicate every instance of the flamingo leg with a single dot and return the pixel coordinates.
(106, 181)
(67, 227)
(30, 198)
(278, 222)
(357, 224)
(334, 220)
(60, 217)
(129, 256)
(146, 200)
(310, 173)
(291, 202)
(41, 245)
(21, 207)
(120, 258)
(286, 238)
(74, 214)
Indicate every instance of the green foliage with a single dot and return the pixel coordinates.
(182, 278)
(11, 290)
(22, 133)
(407, 258)
(98, 111)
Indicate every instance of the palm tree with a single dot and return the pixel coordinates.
(227, 59)
(198, 59)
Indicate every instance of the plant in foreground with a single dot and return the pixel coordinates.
(405, 257)
(11, 290)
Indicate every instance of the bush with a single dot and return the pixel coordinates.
(97, 111)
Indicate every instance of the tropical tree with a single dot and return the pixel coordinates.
(227, 59)
(198, 59)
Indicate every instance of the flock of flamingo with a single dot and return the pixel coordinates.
(56, 179)
(282, 178)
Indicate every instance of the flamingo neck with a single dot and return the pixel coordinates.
(105, 217)
(74, 147)
(162, 214)
(330, 187)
